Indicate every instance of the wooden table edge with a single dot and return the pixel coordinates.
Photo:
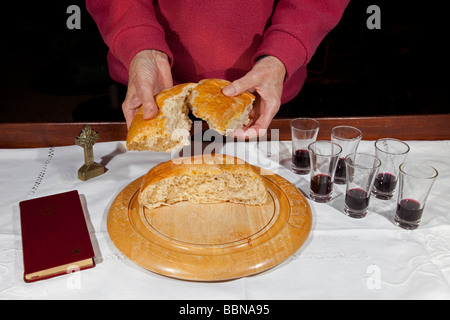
(406, 127)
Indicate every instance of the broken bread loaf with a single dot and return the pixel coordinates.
(202, 179)
(170, 129)
(222, 113)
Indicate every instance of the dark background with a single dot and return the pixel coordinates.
(51, 73)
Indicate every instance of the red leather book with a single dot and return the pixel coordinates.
(55, 237)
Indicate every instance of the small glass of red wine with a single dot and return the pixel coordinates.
(361, 172)
(415, 182)
(348, 138)
(324, 156)
(303, 132)
(392, 153)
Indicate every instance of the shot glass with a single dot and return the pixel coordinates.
(324, 156)
(392, 153)
(361, 172)
(416, 180)
(348, 138)
(303, 131)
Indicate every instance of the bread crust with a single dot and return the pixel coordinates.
(156, 134)
(202, 166)
(170, 128)
(222, 113)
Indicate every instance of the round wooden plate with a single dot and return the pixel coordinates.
(211, 242)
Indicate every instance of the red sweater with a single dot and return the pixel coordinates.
(216, 38)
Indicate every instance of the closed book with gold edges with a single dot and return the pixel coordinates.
(55, 237)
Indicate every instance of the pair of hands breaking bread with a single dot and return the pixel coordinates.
(150, 73)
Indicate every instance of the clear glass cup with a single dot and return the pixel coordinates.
(348, 138)
(324, 156)
(361, 170)
(392, 153)
(416, 180)
(303, 132)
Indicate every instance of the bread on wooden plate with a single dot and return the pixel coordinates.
(202, 179)
(222, 113)
(170, 128)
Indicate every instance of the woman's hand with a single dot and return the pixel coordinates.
(266, 78)
(149, 74)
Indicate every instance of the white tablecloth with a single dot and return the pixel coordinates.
(343, 258)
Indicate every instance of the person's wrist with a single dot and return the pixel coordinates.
(151, 53)
(275, 63)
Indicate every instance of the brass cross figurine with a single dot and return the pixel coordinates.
(86, 139)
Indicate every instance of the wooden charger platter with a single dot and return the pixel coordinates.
(211, 242)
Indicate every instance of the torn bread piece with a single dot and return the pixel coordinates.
(222, 113)
(170, 129)
(203, 179)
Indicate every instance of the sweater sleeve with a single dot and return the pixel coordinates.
(297, 28)
(128, 27)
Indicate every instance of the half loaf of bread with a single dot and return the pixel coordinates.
(170, 129)
(202, 179)
(222, 113)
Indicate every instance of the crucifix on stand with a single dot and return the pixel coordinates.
(86, 139)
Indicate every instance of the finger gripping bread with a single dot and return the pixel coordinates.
(169, 129)
(202, 179)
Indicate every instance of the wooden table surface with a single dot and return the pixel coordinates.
(410, 127)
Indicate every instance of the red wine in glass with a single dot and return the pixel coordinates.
(385, 182)
(384, 186)
(321, 184)
(301, 162)
(357, 199)
(409, 210)
(300, 158)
